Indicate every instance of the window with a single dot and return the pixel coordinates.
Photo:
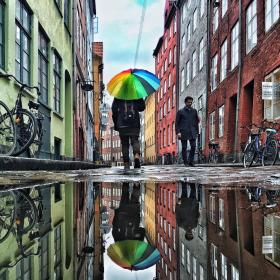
(194, 20)
(57, 253)
(174, 238)
(165, 86)
(189, 3)
(164, 144)
(251, 26)
(221, 120)
(175, 25)
(164, 109)
(44, 258)
(223, 267)
(170, 255)
(194, 269)
(43, 67)
(165, 65)
(202, 7)
(234, 273)
(188, 73)
(189, 32)
(23, 269)
(169, 227)
(183, 254)
(224, 7)
(168, 135)
(2, 34)
(201, 272)
(214, 72)
(182, 79)
(272, 228)
(165, 43)
(212, 209)
(170, 57)
(23, 40)
(194, 64)
(234, 45)
(224, 60)
(183, 45)
(174, 55)
(271, 13)
(183, 13)
(221, 214)
(66, 13)
(214, 260)
(57, 82)
(201, 53)
(168, 105)
(188, 261)
(169, 80)
(174, 96)
(215, 18)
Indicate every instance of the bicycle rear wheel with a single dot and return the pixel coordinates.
(7, 131)
(249, 154)
(270, 153)
(26, 128)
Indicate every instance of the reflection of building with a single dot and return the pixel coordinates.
(243, 54)
(150, 218)
(193, 253)
(166, 230)
(234, 237)
(165, 61)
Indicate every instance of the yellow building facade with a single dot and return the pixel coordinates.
(150, 212)
(150, 130)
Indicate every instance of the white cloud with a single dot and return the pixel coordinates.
(118, 29)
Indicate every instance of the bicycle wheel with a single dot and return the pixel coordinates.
(7, 131)
(26, 127)
(249, 154)
(270, 153)
(26, 211)
(35, 147)
(7, 214)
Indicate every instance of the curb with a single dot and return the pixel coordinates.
(20, 163)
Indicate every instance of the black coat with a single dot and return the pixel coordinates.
(118, 108)
(187, 123)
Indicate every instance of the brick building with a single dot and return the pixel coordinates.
(234, 236)
(165, 68)
(244, 52)
(166, 231)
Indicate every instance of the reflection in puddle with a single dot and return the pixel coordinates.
(181, 230)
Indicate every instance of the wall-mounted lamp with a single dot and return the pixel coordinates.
(85, 252)
(86, 85)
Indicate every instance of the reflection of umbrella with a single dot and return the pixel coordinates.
(133, 84)
(133, 254)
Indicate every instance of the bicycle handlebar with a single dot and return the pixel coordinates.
(22, 84)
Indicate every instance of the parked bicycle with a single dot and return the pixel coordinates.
(18, 126)
(213, 152)
(20, 214)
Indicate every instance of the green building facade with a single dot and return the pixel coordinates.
(36, 47)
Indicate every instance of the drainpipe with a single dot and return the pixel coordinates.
(236, 132)
(208, 16)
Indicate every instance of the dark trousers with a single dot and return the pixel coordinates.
(184, 150)
(125, 146)
(185, 190)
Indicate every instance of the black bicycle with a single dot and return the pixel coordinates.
(18, 126)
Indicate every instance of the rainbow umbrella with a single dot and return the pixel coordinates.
(133, 84)
(133, 254)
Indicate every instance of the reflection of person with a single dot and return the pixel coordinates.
(126, 222)
(187, 210)
(127, 122)
(186, 127)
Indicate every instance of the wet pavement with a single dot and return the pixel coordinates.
(168, 222)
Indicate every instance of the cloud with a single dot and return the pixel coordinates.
(119, 23)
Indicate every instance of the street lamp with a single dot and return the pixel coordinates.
(86, 85)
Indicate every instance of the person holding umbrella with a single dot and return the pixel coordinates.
(129, 88)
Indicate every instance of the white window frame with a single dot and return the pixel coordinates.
(224, 7)
(221, 213)
(202, 7)
(214, 261)
(170, 56)
(234, 273)
(183, 261)
(194, 64)
(194, 20)
(223, 71)
(201, 53)
(251, 26)
(223, 267)
(215, 19)
(194, 271)
(182, 79)
(169, 80)
(271, 13)
(189, 32)
(212, 209)
(188, 70)
(174, 95)
(235, 45)
(214, 72)
(188, 261)
(221, 120)
(183, 44)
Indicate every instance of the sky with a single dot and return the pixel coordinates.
(118, 28)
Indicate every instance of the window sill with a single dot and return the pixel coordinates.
(58, 115)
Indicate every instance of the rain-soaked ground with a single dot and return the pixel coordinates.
(167, 222)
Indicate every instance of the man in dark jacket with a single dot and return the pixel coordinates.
(187, 210)
(126, 120)
(186, 127)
